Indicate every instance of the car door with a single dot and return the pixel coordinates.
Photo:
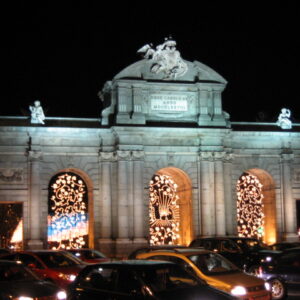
(231, 251)
(95, 284)
(288, 268)
(34, 264)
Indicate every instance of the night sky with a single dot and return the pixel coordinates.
(62, 54)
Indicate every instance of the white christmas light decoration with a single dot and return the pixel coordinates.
(163, 211)
(250, 216)
(68, 218)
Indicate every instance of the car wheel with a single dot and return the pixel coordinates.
(277, 289)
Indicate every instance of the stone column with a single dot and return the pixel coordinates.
(139, 217)
(288, 201)
(35, 240)
(105, 242)
(207, 194)
(230, 216)
(123, 213)
(219, 194)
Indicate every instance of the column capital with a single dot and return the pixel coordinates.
(215, 156)
(138, 154)
(123, 155)
(206, 156)
(35, 155)
(287, 157)
(107, 156)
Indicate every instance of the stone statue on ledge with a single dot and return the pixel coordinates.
(37, 113)
(284, 119)
(166, 59)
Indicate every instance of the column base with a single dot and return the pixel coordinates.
(139, 243)
(290, 237)
(123, 248)
(35, 244)
(107, 247)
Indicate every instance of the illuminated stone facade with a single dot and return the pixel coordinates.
(149, 126)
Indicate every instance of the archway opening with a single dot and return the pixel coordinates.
(170, 208)
(256, 206)
(68, 221)
(11, 230)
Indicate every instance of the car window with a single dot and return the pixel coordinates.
(177, 260)
(29, 260)
(93, 254)
(57, 259)
(212, 263)
(100, 278)
(229, 246)
(127, 282)
(167, 278)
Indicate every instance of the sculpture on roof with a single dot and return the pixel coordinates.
(284, 119)
(37, 113)
(166, 59)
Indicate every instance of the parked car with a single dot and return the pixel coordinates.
(56, 266)
(89, 255)
(246, 253)
(283, 273)
(138, 279)
(19, 282)
(285, 245)
(213, 268)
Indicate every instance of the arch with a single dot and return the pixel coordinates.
(79, 187)
(267, 186)
(180, 214)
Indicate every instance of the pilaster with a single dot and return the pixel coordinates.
(35, 240)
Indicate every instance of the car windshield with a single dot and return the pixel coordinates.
(167, 278)
(58, 259)
(251, 244)
(15, 273)
(212, 263)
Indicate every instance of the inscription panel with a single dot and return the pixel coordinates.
(169, 102)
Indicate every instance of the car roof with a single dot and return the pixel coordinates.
(133, 264)
(224, 238)
(9, 262)
(41, 251)
(181, 250)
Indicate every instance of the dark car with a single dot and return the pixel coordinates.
(283, 273)
(139, 279)
(89, 255)
(19, 282)
(246, 253)
(59, 267)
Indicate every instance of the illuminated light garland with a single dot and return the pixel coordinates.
(17, 236)
(250, 216)
(68, 214)
(163, 211)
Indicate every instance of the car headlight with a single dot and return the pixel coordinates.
(61, 295)
(69, 277)
(24, 298)
(238, 291)
(268, 286)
